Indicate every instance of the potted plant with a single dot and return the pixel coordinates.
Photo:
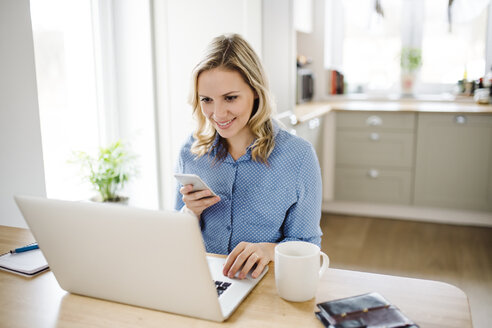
(410, 63)
(109, 171)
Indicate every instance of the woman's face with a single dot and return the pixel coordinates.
(227, 101)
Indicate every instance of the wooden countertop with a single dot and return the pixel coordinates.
(40, 302)
(308, 111)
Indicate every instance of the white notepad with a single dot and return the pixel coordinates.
(26, 264)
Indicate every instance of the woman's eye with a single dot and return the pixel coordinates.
(205, 100)
(230, 98)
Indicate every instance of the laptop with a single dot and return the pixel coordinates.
(152, 259)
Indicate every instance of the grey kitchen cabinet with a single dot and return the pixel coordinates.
(454, 161)
(374, 156)
(381, 185)
(369, 148)
(309, 130)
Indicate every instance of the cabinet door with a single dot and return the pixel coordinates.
(373, 185)
(311, 131)
(376, 121)
(374, 157)
(366, 147)
(454, 161)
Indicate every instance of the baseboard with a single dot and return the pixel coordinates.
(427, 214)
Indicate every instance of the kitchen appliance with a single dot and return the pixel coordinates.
(305, 85)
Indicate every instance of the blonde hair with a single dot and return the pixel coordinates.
(233, 53)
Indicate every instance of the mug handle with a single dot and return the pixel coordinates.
(324, 266)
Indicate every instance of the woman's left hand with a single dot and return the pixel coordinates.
(246, 255)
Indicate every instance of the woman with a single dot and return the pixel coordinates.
(267, 181)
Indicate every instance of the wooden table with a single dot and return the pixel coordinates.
(40, 302)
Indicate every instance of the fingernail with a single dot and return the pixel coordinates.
(242, 275)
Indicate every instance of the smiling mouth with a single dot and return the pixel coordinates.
(224, 124)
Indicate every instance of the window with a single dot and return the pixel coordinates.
(95, 85)
(371, 45)
(373, 38)
(65, 69)
(445, 55)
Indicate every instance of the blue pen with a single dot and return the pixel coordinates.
(24, 249)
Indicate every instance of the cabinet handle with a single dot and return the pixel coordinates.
(293, 119)
(460, 119)
(373, 173)
(374, 136)
(374, 121)
(313, 124)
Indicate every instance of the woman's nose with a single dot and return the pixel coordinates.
(220, 110)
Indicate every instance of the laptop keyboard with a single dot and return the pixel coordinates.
(221, 286)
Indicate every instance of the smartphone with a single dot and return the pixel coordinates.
(193, 179)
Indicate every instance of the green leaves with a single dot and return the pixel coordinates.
(109, 170)
(411, 59)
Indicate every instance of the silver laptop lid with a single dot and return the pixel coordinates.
(153, 259)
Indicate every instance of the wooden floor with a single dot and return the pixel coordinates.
(458, 255)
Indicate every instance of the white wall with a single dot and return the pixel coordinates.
(134, 89)
(182, 29)
(21, 157)
(488, 50)
(279, 51)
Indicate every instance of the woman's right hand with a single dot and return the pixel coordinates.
(198, 201)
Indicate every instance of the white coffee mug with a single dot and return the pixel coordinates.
(297, 270)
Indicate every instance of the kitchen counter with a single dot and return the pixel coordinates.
(310, 110)
(307, 111)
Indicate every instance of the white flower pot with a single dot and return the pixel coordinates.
(408, 80)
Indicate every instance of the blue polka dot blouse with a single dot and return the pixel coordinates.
(273, 203)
